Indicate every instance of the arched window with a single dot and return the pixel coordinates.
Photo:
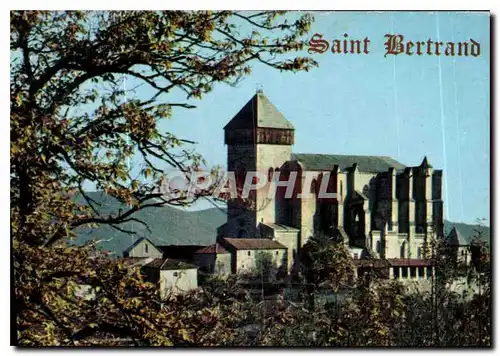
(270, 174)
(379, 247)
(341, 190)
(146, 248)
(403, 250)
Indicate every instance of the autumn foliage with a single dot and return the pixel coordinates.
(72, 129)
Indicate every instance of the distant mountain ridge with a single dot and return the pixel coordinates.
(171, 226)
(168, 225)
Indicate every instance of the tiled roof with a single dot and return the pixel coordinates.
(392, 262)
(259, 112)
(215, 248)
(377, 263)
(168, 264)
(323, 162)
(409, 262)
(253, 244)
(455, 238)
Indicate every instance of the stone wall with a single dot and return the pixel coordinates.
(308, 207)
(178, 281)
(223, 263)
(246, 259)
(289, 239)
(212, 263)
(393, 244)
(241, 221)
(269, 158)
(459, 286)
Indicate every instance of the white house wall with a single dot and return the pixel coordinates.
(247, 263)
(184, 281)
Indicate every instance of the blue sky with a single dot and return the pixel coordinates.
(404, 107)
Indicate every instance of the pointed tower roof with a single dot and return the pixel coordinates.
(425, 163)
(259, 112)
(455, 238)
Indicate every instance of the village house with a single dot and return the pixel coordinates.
(247, 253)
(213, 259)
(172, 276)
(142, 247)
(226, 256)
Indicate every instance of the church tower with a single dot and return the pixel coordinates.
(258, 139)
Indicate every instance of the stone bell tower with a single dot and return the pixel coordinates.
(258, 139)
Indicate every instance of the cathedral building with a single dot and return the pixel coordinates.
(381, 208)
